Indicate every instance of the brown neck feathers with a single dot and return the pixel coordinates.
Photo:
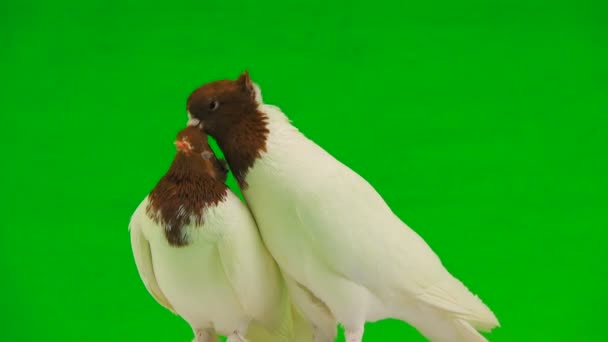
(243, 142)
(178, 200)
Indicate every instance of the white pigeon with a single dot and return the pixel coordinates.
(199, 253)
(346, 255)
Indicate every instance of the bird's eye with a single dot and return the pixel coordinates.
(213, 105)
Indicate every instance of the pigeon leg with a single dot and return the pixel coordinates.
(354, 335)
(239, 334)
(236, 336)
(204, 335)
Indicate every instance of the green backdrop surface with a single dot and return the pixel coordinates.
(482, 123)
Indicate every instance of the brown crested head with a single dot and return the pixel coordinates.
(228, 111)
(219, 104)
(192, 143)
(194, 181)
(192, 140)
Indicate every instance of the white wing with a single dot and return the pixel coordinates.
(359, 236)
(143, 256)
(252, 272)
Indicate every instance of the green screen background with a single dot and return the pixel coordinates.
(482, 123)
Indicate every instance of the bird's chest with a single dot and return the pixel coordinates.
(274, 203)
(193, 280)
(187, 268)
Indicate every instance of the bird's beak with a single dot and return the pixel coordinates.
(194, 122)
(183, 146)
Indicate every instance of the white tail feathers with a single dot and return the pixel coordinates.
(466, 333)
(439, 325)
(452, 297)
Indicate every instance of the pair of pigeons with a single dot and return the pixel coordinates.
(315, 245)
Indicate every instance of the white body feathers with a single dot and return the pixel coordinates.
(224, 279)
(334, 235)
